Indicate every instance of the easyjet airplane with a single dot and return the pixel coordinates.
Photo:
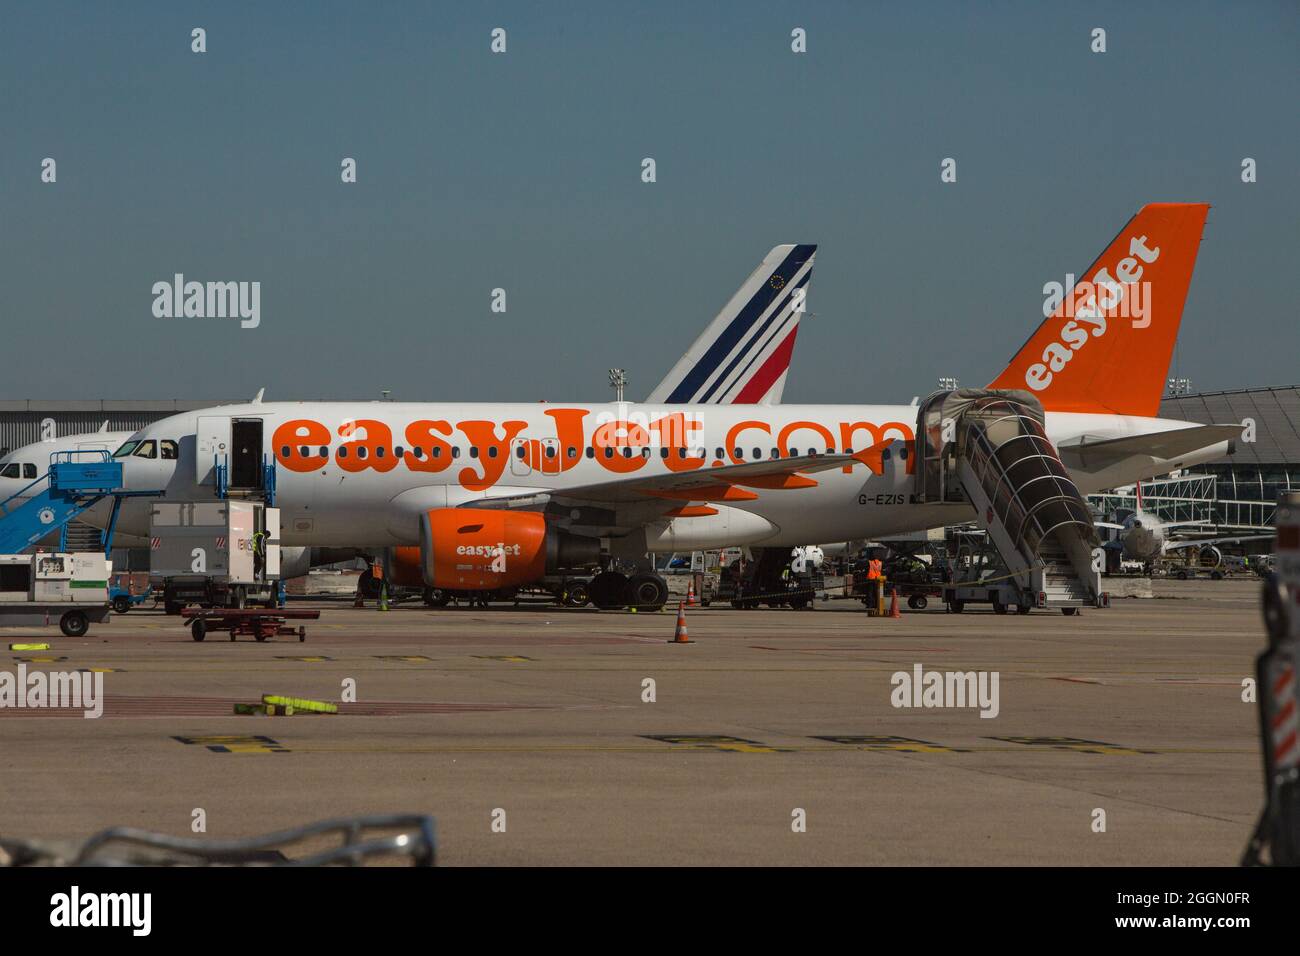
(495, 496)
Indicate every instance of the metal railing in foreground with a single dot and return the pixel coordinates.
(129, 846)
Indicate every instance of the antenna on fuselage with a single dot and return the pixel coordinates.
(257, 399)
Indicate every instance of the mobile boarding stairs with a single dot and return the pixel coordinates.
(990, 449)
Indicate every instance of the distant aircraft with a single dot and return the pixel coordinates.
(1143, 536)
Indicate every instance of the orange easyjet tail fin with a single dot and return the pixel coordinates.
(1107, 346)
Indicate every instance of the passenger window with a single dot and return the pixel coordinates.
(492, 451)
(324, 452)
(455, 452)
(361, 451)
(399, 451)
(591, 452)
(520, 452)
(379, 452)
(739, 452)
(303, 450)
(343, 451)
(147, 449)
(573, 452)
(473, 451)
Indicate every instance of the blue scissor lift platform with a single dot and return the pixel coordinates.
(76, 481)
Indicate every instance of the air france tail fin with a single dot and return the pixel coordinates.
(1106, 347)
(744, 354)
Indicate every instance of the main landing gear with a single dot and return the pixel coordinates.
(611, 590)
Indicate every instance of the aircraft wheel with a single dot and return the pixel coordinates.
(579, 595)
(437, 597)
(74, 624)
(199, 629)
(647, 592)
(918, 602)
(608, 590)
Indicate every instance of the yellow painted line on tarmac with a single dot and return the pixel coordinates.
(29, 647)
(39, 660)
(508, 658)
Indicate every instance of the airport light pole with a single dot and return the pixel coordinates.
(948, 382)
(618, 382)
(1180, 386)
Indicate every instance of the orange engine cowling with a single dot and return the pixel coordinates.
(478, 550)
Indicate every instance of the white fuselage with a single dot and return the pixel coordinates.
(335, 487)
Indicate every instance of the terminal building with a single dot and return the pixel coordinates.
(1237, 494)
(26, 422)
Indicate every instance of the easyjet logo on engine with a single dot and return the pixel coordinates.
(1092, 305)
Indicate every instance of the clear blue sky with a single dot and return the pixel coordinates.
(522, 171)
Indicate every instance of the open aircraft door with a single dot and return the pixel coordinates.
(212, 447)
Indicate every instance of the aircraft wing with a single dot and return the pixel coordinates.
(1179, 545)
(1089, 457)
(625, 503)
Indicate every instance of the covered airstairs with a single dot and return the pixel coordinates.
(990, 449)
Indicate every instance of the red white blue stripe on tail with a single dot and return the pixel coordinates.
(744, 354)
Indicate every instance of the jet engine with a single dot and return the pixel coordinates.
(472, 549)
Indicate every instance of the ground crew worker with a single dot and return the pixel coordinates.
(874, 568)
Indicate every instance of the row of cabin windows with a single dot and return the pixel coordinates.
(572, 452)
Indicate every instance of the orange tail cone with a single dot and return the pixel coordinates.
(893, 603)
(679, 635)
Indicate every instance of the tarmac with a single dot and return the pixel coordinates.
(1121, 736)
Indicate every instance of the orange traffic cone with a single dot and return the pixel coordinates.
(679, 635)
(893, 603)
(690, 594)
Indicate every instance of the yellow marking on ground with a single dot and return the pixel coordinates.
(236, 744)
(404, 658)
(900, 744)
(714, 742)
(1073, 743)
(508, 658)
(29, 647)
(39, 660)
(307, 660)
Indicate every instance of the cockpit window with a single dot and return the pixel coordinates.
(126, 449)
(10, 470)
(29, 470)
(168, 448)
(146, 449)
